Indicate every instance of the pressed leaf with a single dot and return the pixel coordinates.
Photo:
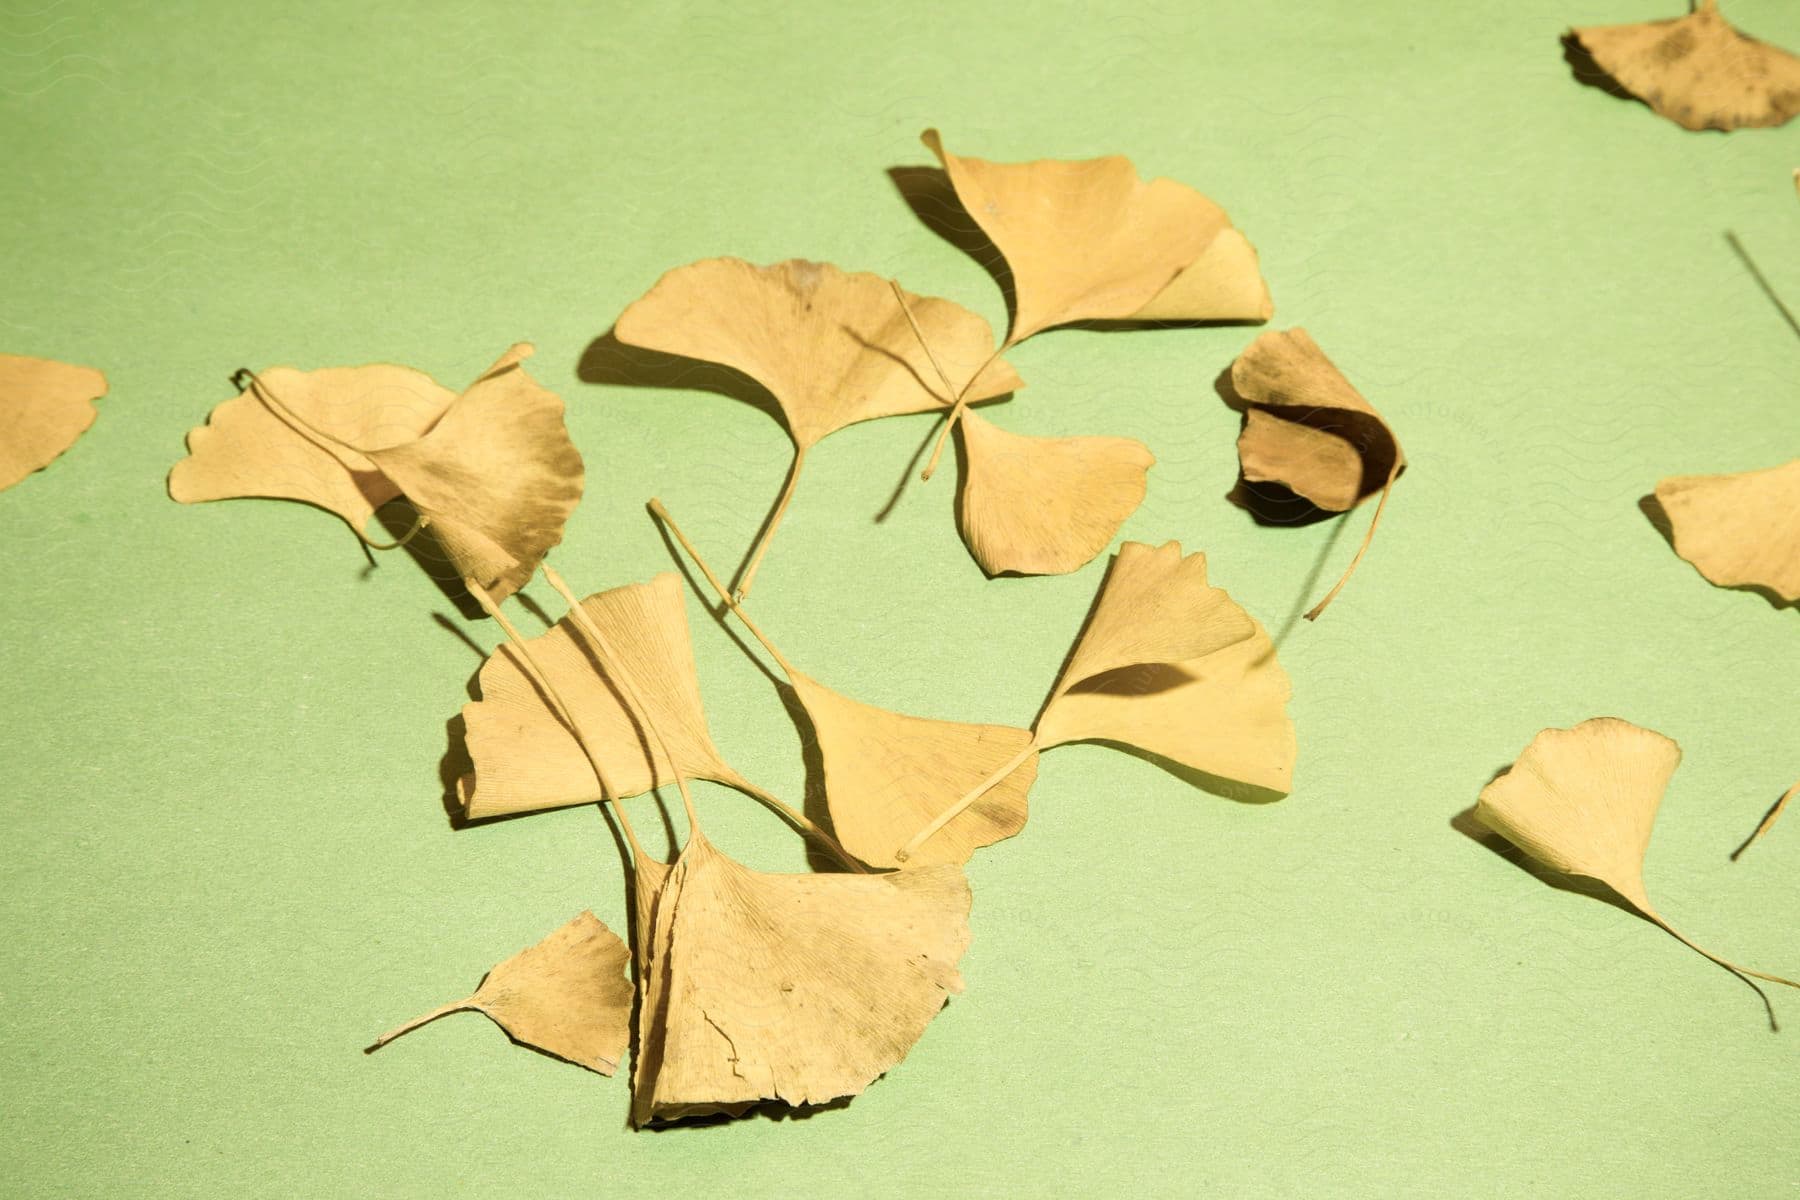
(1582, 801)
(887, 774)
(525, 758)
(567, 996)
(1090, 241)
(1698, 70)
(44, 407)
(1739, 530)
(797, 988)
(1045, 506)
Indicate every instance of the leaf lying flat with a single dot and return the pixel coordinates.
(1699, 71)
(567, 996)
(525, 758)
(1739, 530)
(1090, 241)
(1582, 801)
(887, 774)
(1045, 506)
(44, 407)
(797, 988)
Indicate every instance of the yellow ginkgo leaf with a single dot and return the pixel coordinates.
(1045, 506)
(831, 347)
(1090, 241)
(44, 407)
(1699, 71)
(567, 996)
(1739, 530)
(801, 989)
(1582, 801)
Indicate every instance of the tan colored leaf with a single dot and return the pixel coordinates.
(496, 478)
(1090, 241)
(525, 758)
(1739, 530)
(44, 407)
(567, 996)
(888, 774)
(252, 447)
(796, 988)
(1699, 71)
(1045, 506)
(1582, 801)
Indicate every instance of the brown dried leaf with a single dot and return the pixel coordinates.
(567, 996)
(1739, 530)
(1045, 506)
(887, 774)
(44, 407)
(797, 988)
(1582, 801)
(526, 759)
(1090, 241)
(1698, 70)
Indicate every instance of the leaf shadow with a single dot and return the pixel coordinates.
(1658, 516)
(928, 193)
(420, 542)
(1590, 73)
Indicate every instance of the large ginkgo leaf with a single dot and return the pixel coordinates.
(44, 407)
(1740, 530)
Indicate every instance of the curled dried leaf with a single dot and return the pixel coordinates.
(1583, 801)
(1090, 241)
(1698, 70)
(1045, 505)
(567, 996)
(801, 989)
(44, 407)
(1740, 530)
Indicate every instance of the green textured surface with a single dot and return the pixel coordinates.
(225, 862)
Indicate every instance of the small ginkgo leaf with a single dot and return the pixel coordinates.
(1172, 665)
(1698, 70)
(887, 774)
(525, 758)
(44, 407)
(567, 996)
(801, 989)
(1739, 530)
(1090, 241)
(496, 478)
(289, 435)
(1582, 801)
(1043, 505)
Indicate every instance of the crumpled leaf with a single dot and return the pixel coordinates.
(833, 348)
(1698, 70)
(44, 407)
(525, 758)
(1582, 801)
(1172, 665)
(1045, 505)
(492, 471)
(567, 996)
(796, 988)
(1090, 241)
(1740, 530)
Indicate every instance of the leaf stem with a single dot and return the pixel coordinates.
(768, 534)
(961, 806)
(959, 399)
(300, 425)
(802, 822)
(1312, 614)
(455, 1006)
(1743, 973)
(725, 596)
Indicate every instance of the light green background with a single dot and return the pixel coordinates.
(225, 861)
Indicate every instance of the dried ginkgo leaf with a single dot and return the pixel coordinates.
(567, 996)
(833, 348)
(1090, 241)
(492, 471)
(1698, 70)
(797, 988)
(1169, 665)
(1308, 430)
(44, 407)
(1045, 505)
(525, 758)
(1739, 530)
(1582, 801)
(887, 773)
